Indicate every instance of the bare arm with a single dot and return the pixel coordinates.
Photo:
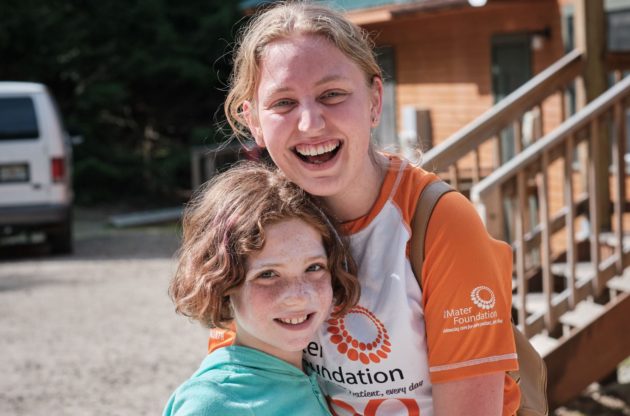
(474, 396)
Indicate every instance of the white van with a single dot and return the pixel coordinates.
(35, 162)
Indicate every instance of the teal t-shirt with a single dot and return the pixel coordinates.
(241, 381)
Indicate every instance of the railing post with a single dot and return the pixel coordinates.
(590, 37)
(545, 246)
(619, 180)
(594, 206)
(495, 219)
(563, 105)
(495, 223)
(570, 218)
(476, 168)
(539, 126)
(521, 250)
(453, 172)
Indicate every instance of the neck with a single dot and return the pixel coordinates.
(358, 201)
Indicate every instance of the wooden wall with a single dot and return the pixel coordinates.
(443, 58)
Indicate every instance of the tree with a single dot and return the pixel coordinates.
(141, 79)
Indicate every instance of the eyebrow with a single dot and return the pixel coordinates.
(276, 264)
(327, 78)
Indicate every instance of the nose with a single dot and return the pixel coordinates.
(297, 293)
(311, 119)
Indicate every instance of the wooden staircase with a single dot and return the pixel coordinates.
(571, 251)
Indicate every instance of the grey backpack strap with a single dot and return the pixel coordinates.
(429, 197)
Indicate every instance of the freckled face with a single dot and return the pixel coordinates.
(287, 293)
(313, 111)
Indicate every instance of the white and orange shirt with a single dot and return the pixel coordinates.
(383, 356)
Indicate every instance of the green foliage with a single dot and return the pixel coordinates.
(142, 80)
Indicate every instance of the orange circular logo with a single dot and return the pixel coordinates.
(375, 351)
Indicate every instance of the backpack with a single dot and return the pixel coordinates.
(532, 374)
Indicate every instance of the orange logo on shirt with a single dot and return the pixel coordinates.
(375, 351)
(483, 297)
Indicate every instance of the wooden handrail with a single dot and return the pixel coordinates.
(571, 126)
(543, 200)
(490, 123)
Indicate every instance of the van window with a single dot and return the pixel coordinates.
(17, 119)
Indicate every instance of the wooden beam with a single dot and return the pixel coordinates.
(618, 61)
(590, 37)
(590, 354)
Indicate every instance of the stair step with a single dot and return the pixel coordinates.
(534, 302)
(620, 283)
(583, 270)
(610, 239)
(543, 344)
(584, 313)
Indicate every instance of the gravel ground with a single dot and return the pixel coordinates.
(95, 333)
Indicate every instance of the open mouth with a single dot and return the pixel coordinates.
(317, 153)
(295, 321)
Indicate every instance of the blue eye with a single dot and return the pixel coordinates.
(316, 267)
(282, 103)
(267, 274)
(334, 97)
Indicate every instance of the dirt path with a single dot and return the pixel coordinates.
(93, 333)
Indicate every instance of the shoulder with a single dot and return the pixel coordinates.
(456, 214)
(457, 238)
(204, 396)
(408, 187)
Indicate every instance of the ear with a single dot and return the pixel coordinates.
(249, 113)
(376, 100)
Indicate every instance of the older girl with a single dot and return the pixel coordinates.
(307, 88)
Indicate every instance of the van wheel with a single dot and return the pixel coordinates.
(61, 238)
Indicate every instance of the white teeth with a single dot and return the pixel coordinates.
(314, 150)
(294, 321)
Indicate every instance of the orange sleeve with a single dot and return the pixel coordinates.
(220, 338)
(467, 295)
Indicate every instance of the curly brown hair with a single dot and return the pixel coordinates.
(225, 222)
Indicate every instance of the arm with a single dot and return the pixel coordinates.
(473, 396)
(466, 299)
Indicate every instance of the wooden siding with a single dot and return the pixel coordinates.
(443, 59)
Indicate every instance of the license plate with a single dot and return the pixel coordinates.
(14, 173)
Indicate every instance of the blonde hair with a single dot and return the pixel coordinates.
(282, 21)
(225, 223)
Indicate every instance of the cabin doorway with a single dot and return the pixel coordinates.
(511, 68)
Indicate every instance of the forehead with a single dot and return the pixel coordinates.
(292, 237)
(302, 61)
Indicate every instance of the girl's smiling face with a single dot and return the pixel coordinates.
(287, 293)
(313, 111)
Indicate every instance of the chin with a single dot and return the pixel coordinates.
(298, 345)
(319, 188)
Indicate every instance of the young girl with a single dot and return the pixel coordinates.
(306, 86)
(259, 254)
